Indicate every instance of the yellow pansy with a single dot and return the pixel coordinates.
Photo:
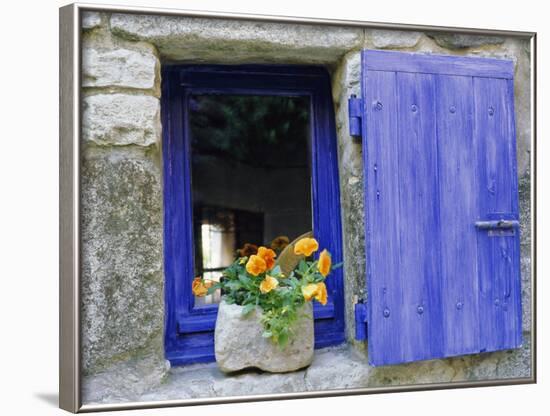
(315, 290)
(268, 284)
(308, 291)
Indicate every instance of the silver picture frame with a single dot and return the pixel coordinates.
(70, 397)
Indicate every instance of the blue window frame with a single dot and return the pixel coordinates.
(189, 330)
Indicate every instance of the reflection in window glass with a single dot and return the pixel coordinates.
(251, 177)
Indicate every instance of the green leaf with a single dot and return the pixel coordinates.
(283, 339)
(245, 279)
(267, 334)
(248, 308)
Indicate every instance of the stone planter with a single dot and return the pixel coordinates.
(239, 343)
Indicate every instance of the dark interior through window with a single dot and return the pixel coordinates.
(251, 176)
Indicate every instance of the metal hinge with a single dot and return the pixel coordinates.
(355, 106)
(360, 321)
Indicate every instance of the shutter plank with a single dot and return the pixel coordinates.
(500, 293)
(458, 210)
(383, 219)
(419, 231)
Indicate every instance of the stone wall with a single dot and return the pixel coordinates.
(122, 254)
(122, 275)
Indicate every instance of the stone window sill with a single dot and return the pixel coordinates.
(333, 368)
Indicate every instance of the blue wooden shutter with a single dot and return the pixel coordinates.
(441, 202)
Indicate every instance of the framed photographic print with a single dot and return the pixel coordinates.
(258, 207)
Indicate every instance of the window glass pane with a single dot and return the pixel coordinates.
(251, 176)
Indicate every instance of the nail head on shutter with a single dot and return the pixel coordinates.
(386, 313)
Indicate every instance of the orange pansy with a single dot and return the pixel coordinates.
(321, 294)
(256, 265)
(324, 263)
(198, 287)
(268, 255)
(306, 246)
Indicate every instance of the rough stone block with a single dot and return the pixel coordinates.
(526, 293)
(232, 41)
(122, 272)
(91, 20)
(239, 343)
(515, 363)
(125, 381)
(462, 41)
(119, 67)
(337, 368)
(121, 119)
(389, 39)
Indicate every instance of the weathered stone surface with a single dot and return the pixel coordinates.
(239, 343)
(241, 384)
(231, 41)
(91, 20)
(461, 41)
(345, 82)
(121, 119)
(119, 67)
(394, 39)
(526, 290)
(332, 369)
(337, 368)
(525, 250)
(525, 209)
(122, 273)
(515, 363)
(432, 371)
(125, 381)
(522, 101)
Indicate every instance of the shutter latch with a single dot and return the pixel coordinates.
(355, 106)
(360, 321)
